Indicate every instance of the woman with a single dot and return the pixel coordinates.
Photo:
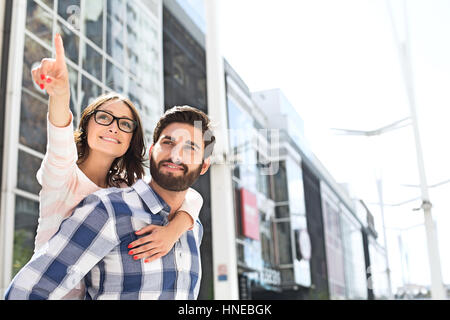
(108, 151)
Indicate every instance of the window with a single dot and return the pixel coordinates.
(93, 21)
(33, 122)
(39, 21)
(26, 175)
(92, 61)
(26, 217)
(280, 183)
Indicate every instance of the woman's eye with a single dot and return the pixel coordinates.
(126, 124)
(103, 117)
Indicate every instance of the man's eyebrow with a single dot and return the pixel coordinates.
(193, 144)
(167, 137)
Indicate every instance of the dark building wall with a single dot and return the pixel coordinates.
(4, 57)
(370, 294)
(313, 205)
(185, 84)
(184, 66)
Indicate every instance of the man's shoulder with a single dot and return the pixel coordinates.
(101, 198)
(197, 230)
(103, 195)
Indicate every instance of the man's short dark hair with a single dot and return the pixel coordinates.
(189, 115)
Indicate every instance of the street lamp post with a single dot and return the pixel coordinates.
(437, 285)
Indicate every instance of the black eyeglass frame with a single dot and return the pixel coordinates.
(114, 118)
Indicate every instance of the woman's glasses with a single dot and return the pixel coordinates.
(105, 118)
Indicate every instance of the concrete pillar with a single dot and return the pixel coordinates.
(222, 209)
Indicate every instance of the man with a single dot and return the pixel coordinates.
(93, 243)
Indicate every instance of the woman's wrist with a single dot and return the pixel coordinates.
(59, 110)
(180, 223)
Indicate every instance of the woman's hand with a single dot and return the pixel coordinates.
(154, 246)
(52, 74)
(161, 238)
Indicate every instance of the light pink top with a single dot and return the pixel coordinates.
(64, 185)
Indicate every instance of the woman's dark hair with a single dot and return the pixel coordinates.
(130, 167)
(192, 116)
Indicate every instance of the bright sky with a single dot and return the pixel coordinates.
(337, 63)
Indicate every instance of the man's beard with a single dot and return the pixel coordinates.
(168, 181)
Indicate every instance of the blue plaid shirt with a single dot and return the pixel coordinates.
(92, 244)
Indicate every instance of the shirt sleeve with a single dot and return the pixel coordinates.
(82, 241)
(192, 204)
(61, 155)
(57, 176)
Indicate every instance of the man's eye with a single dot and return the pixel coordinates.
(167, 142)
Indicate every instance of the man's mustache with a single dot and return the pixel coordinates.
(185, 168)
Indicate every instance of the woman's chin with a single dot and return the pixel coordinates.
(109, 152)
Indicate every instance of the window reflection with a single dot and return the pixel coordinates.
(49, 3)
(355, 275)
(70, 10)
(184, 74)
(89, 91)
(26, 173)
(280, 182)
(134, 93)
(25, 224)
(92, 61)
(39, 21)
(114, 77)
(267, 242)
(115, 31)
(93, 21)
(295, 187)
(32, 56)
(73, 82)
(283, 231)
(71, 41)
(150, 104)
(33, 123)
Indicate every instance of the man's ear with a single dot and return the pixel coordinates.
(205, 166)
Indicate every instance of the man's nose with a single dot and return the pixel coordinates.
(177, 153)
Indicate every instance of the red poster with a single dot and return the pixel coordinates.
(250, 216)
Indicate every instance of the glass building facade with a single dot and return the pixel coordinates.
(253, 196)
(112, 45)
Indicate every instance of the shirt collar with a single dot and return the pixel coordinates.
(150, 197)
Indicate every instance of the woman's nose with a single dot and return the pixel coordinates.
(113, 127)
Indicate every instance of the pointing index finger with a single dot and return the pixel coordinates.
(59, 49)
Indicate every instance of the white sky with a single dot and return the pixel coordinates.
(336, 62)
